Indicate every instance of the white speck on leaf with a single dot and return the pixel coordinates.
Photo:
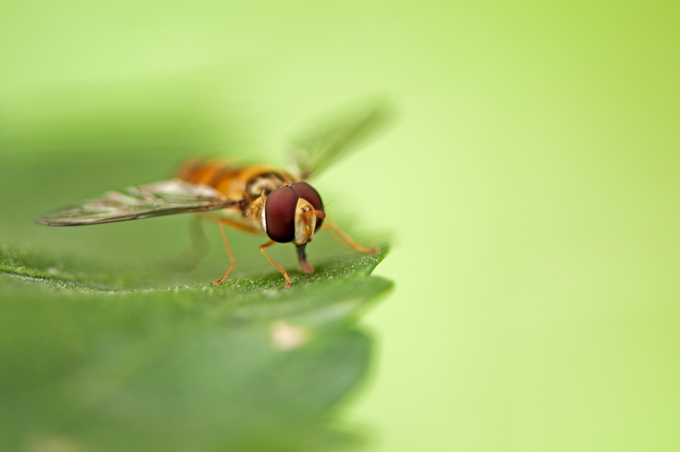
(286, 336)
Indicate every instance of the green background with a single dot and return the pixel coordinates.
(530, 183)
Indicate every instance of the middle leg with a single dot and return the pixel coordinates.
(231, 256)
(232, 224)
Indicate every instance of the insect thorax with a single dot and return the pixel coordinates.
(265, 184)
(257, 189)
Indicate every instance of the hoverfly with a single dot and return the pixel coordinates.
(257, 199)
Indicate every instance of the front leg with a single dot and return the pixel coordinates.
(278, 267)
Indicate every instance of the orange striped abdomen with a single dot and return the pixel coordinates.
(235, 182)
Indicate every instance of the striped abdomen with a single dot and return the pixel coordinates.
(247, 182)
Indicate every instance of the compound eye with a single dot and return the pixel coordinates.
(306, 192)
(280, 214)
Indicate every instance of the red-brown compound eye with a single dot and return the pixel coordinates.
(308, 193)
(280, 214)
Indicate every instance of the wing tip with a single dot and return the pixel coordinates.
(42, 220)
(46, 221)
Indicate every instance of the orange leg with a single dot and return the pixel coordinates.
(348, 240)
(231, 223)
(231, 256)
(278, 267)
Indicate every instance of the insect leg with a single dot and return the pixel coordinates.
(231, 223)
(231, 256)
(199, 242)
(348, 240)
(278, 267)
(197, 249)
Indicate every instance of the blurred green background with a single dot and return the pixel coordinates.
(531, 183)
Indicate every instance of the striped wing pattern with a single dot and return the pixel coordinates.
(162, 198)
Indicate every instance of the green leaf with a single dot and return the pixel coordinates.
(107, 344)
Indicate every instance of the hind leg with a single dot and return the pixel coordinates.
(198, 247)
(348, 240)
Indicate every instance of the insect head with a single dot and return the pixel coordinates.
(293, 213)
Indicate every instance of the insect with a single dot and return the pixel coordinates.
(258, 199)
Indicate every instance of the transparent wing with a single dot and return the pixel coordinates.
(318, 148)
(163, 198)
